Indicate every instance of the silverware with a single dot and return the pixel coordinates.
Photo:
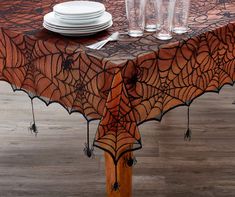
(99, 45)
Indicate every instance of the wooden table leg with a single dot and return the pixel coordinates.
(124, 174)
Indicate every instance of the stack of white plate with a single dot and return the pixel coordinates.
(78, 18)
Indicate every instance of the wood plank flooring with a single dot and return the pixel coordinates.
(53, 164)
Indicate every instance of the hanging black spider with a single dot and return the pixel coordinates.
(39, 10)
(134, 78)
(33, 128)
(129, 161)
(188, 135)
(132, 82)
(66, 63)
(115, 186)
(80, 87)
(227, 14)
(89, 152)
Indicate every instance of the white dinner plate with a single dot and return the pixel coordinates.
(79, 29)
(71, 20)
(76, 33)
(53, 21)
(84, 8)
(77, 21)
(80, 17)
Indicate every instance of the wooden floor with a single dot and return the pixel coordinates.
(53, 164)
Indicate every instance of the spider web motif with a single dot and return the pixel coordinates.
(75, 82)
(118, 132)
(15, 60)
(149, 77)
(176, 75)
(80, 82)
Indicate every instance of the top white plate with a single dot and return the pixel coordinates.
(79, 8)
(50, 19)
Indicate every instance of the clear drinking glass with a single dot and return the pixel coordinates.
(165, 19)
(152, 8)
(135, 11)
(180, 21)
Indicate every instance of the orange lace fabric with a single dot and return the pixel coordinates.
(127, 82)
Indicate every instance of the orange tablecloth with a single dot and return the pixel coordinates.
(127, 82)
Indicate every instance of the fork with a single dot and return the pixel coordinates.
(99, 45)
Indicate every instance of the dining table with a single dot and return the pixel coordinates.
(126, 83)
